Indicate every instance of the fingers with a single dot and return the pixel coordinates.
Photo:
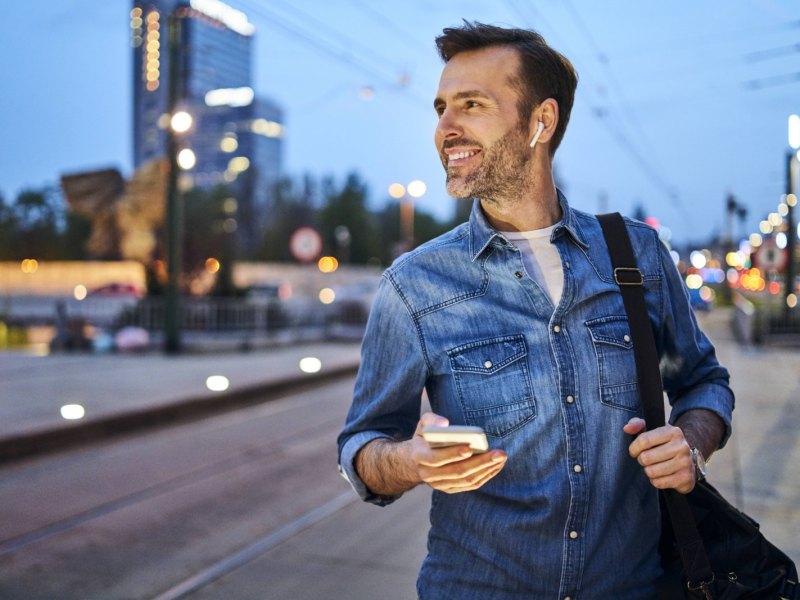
(634, 426)
(666, 458)
(654, 438)
(465, 475)
(452, 469)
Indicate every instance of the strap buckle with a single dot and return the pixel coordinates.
(628, 276)
(703, 586)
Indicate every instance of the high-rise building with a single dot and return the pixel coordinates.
(236, 137)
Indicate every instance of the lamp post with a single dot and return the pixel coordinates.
(791, 201)
(407, 194)
(178, 124)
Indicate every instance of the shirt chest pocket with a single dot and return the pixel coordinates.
(494, 384)
(616, 365)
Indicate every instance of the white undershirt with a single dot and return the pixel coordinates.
(541, 259)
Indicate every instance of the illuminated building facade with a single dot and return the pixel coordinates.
(236, 137)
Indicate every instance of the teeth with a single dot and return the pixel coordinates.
(460, 155)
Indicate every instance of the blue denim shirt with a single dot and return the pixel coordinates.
(571, 514)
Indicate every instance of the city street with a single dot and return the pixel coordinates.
(248, 504)
(137, 517)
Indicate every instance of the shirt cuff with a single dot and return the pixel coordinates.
(716, 398)
(347, 467)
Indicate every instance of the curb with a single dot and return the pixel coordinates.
(183, 410)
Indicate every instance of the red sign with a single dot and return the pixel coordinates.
(305, 244)
(769, 257)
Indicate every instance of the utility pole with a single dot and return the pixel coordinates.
(791, 233)
(728, 243)
(172, 308)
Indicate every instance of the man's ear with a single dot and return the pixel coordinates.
(546, 114)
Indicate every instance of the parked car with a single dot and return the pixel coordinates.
(116, 290)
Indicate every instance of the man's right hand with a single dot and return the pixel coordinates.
(452, 469)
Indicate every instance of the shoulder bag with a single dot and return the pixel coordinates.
(709, 549)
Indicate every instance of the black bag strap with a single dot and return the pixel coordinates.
(651, 393)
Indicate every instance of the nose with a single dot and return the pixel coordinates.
(448, 126)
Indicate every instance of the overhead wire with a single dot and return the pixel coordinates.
(387, 23)
(376, 69)
(604, 60)
(671, 191)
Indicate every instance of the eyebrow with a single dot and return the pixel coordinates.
(461, 96)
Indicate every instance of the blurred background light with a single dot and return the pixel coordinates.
(217, 383)
(186, 159)
(397, 190)
(310, 364)
(72, 412)
(698, 259)
(181, 122)
(212, 265)
(327, 296)
(416, 189)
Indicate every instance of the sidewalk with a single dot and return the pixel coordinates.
(121, 392)
(759, 469)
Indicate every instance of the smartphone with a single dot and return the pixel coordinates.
(439, 437)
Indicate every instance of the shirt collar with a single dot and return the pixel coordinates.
(482, 234)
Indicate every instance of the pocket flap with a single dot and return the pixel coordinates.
(488, 356)
(611, 330)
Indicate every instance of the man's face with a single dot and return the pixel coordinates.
(481, 141)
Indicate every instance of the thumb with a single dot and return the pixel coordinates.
(430, 418)
(635, 426)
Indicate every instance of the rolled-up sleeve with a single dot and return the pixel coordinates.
(692, 375)
(388, 389)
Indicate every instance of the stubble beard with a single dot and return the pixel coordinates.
(502, 176)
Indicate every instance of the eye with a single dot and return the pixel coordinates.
(439, 108)
(471, 104)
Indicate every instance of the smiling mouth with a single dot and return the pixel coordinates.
(457, 157)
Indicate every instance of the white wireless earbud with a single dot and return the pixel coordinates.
(539, 130)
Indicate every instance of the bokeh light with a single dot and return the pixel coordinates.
(217, 383)
(310, 364)
(328, 264)
(72, 412)
(327, 296)
(212, 265)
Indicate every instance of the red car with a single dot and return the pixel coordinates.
(117, 290)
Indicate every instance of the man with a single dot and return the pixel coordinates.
(513, 322)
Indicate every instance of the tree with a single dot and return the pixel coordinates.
(75, 237)
(347, 207)
(207, 231)
(36, 216)
(292, 208)
(8, 230)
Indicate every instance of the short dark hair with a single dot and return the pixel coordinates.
(544, 72)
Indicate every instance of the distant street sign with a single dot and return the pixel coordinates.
(769, 257)
(305, 244)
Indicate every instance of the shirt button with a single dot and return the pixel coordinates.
(570, 399)
(627, 338)
(556, 328)
(488, 364)
(577, 468)
(573, 535)
(567, 597)
(566, 264)
(518, 274)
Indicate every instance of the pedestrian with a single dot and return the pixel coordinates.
(513, 322)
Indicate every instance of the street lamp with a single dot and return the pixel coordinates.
(406, 194)
(180, 122)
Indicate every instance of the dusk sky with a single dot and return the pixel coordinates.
(679, 103)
